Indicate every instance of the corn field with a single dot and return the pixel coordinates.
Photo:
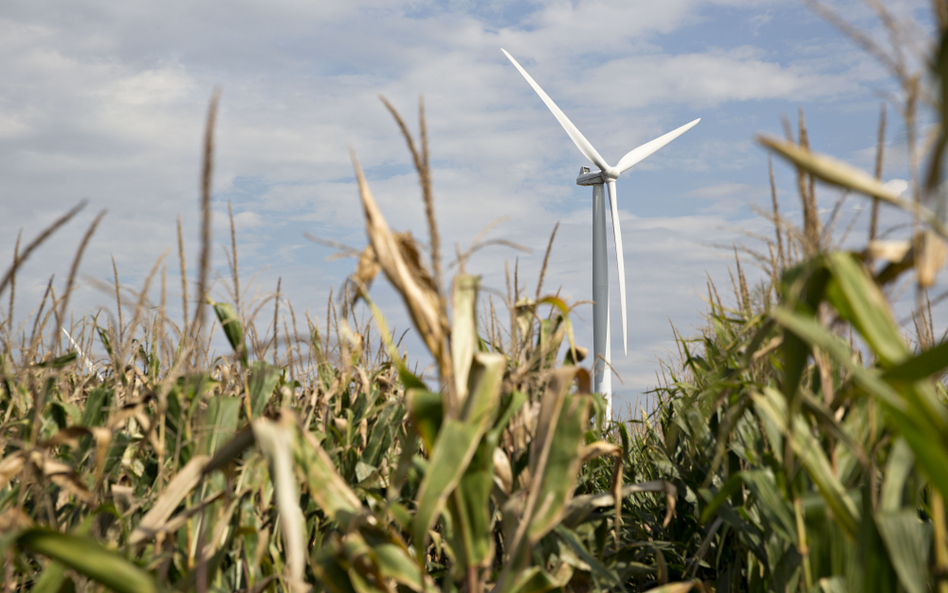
(799, 443)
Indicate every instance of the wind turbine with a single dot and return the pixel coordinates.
(606, 175)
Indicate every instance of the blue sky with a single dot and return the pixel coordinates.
(106, 101)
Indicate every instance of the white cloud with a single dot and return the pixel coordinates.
(897, 186)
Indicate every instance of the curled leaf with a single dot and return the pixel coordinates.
(598, 449)
(846, 176)
(400, 261)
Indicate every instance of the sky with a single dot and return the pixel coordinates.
(106, 101)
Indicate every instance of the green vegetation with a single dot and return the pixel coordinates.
(799, 444)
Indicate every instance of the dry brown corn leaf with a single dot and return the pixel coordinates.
(409, 250)
(366, 271)
(277, 441)
(680, 587)
(223, 523)
(400, 261)
(931, 252)
(123, 497)
(13, 519)
(10, 467)
(61, 474)
(581, 506)
(671, 495)
(598, 449)
(503, 473)
(927, 254)
(103, 438)
(66, 436)
(463, 332)
(890, 251)
(178, 521)
(176, 490)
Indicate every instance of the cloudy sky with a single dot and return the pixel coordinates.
(106, 100)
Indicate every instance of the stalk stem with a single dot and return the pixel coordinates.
(801, 543)
(941, 542)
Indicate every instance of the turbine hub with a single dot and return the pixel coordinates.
(610, 174)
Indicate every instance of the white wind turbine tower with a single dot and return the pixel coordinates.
(602, 351)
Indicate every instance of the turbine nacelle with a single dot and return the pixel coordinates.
(587, 177)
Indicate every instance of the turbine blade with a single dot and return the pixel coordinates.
(620, 262)
(578, 139)
(636, 155)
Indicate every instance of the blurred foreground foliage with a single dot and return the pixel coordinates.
(799, 444)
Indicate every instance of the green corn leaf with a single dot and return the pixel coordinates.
(220, 422)
(720, 497)
(805, 445)
(458, 441)
(452, 452)
(332, 572)
(558, 471)
(58, 362)
(812, 332)
(427, 414)
(510, 404)
(773, 505)
(898, 468)
(408, 379)
(873, 572)
(537, 580)
(920, 420)
(96, 407)
(234, 331)
(555, 459)
(106, 341)
(381, 435)
(88, 557)
(52, 579)
(395, 563)
(803, 287)
(326, 486)
(486, 375)
(379, 559)
(263, 380)
(602, 572)
(922, 366)
(858, 299)
(226, 453)
(908, 542)
(469, 504)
